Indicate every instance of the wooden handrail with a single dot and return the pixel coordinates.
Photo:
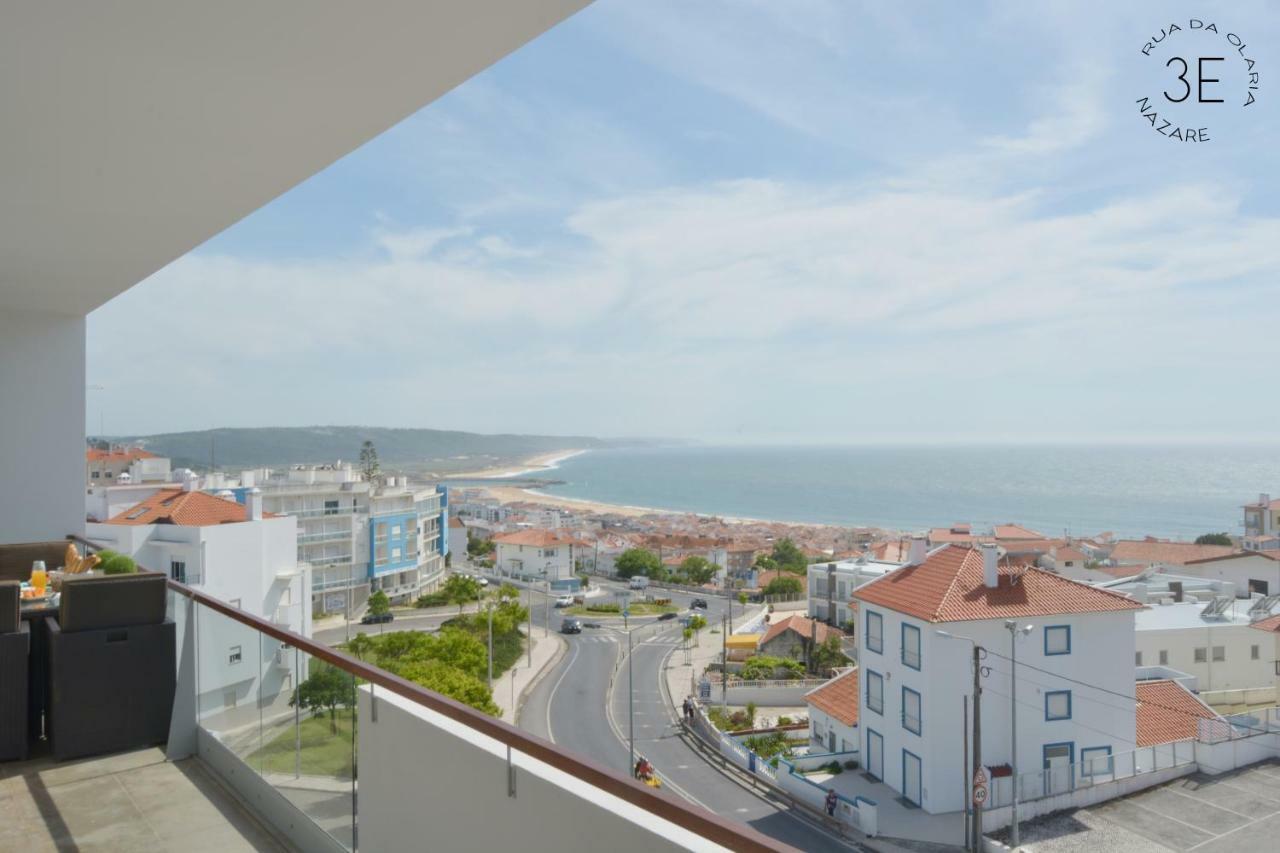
(699, 821)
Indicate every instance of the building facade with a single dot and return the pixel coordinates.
(914, 679)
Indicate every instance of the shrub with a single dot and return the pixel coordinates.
(833, 768)
(768, 745)
(764, 667)
(851, 764)
(604, 607)
(114, 563)
(432, 599)
(784, 721)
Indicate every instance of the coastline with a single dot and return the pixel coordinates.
(535, 464)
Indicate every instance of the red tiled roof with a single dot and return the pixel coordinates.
(1016, 531)
(190, 509)
(837, 698)
(95, 455)
(454, 521)
(801, 625)
(1270, 555)
(537, 538)
(1271, 623)
(1176, 553)
(1167, 711)
(948, 587)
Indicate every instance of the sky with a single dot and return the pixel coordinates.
(761, 222)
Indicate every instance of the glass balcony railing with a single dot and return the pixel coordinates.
(329, 765)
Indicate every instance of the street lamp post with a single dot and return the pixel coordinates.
(1014, 630)
(974, 841)
(631, 706)
(490, 606)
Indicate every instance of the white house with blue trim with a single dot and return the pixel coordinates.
(915, 681)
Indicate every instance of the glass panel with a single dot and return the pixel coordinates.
(228, 674)
(321, 780)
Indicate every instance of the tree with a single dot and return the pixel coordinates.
(698, 570)
(508, 591)
(460, 589)
(789, 558)
(379, 603)
(369, 466)
(325, 689)
(742, 598)
(477, 546)
(784, 586)
(638, 561)
(828, 655)
(454, 683)
(765, 563)
(1214, 539)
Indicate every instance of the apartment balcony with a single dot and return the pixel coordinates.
(243, 769)
(325, 536)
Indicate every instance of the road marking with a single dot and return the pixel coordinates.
(551, 736)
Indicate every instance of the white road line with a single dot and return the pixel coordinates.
(551, 736)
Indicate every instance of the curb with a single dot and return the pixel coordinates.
(551, 664)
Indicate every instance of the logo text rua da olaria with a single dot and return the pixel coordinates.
(1195, 57)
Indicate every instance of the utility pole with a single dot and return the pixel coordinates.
(631, 707)
(529, 617)
(977, 742)
(1014, 630)
(968, 791)
(490, 603)
(724, 664)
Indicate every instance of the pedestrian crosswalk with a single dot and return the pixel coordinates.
(622, 638)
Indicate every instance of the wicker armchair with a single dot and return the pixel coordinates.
(15, 655)
(112, 666)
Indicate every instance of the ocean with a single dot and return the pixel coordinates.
(1166, 491)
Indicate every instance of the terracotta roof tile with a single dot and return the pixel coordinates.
(801, 625)
(1271, 623)
(1167, 711)
(1175, 553)
(537, 538)
(95, 455)
(948, 587)
(838, 697)
(189, 509)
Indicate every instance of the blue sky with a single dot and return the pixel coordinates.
(755, 221)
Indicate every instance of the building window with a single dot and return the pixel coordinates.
(330, 507)
(910, 646)
(1253, 653)
(1057, 640)
(875, 632)
(875, 692)
(1057, 705)
(1164, 657)
(1137, 658)
(178, 570)
(1219, 654)
(94, 475)
(1096, 761)
(1201, 654)
(911, 711)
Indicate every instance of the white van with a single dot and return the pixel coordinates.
(639, 582)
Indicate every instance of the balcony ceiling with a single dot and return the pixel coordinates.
(134, 131)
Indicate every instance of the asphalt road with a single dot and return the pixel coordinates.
(569, 705)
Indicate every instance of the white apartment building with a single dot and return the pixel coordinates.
(539, 554)
(1211, 639)
(1252, 572)
(831, 586)
(913, 679)
(236, 552)
(358, 537)
(124, 464)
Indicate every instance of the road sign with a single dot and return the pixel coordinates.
(980, 777)
(626, 613)
(979, 794)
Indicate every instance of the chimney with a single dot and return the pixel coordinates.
(190, 482)
(919, 550)
(1140, 593)
(253, 503)
(248, 479)
(990, 565)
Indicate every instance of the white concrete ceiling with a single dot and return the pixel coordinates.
(131, 132)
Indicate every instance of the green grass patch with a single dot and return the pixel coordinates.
(323, 753)
(636, 608)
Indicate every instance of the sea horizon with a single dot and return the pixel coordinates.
(1168, 490)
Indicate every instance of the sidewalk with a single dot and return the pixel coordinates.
(681, 676)
(510, 691)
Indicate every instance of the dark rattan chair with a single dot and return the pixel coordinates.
(111, 666)
(15, 656)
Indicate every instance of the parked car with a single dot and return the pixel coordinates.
(483, 581)
(564, 601)
(698, 604)
(571, 626)
(639, 582)
(665, 616)
(377, 618)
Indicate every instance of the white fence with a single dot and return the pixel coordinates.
(1094, 771)
(858, 813)
(1237, 726)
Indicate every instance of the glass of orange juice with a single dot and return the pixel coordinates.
(39, 577)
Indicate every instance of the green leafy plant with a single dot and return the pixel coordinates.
(635, 562)
(379, 603)
(114, 563)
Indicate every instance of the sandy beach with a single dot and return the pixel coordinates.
(538, 464)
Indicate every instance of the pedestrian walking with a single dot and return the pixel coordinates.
(832, 799)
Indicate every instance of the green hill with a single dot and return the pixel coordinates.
(413, 450)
